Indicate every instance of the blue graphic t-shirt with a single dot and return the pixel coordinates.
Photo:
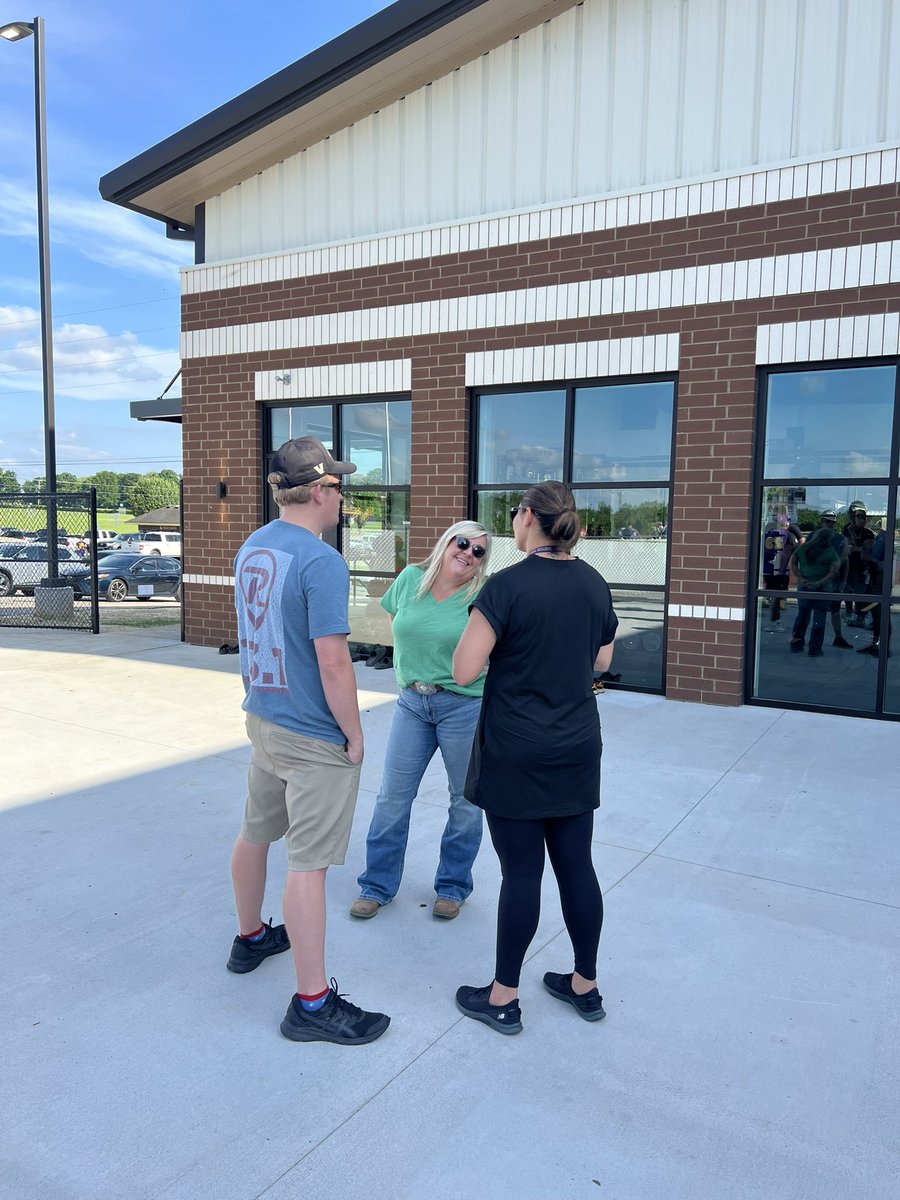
(290, 588)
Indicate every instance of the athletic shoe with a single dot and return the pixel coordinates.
(475, 1003)
(336, 1021)
(841, 643)
(247, 955)
(872, 649)
(364, 908)
(796, 645)
(589, 1006)
(816, 653)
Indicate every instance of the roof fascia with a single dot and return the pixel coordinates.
(353, 52)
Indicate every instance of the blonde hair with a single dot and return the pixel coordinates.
(431, 567)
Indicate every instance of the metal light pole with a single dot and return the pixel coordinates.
(15, 32)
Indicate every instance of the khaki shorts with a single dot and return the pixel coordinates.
(301, 789)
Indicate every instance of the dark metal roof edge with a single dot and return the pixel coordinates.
(361, 47)
(156, 410)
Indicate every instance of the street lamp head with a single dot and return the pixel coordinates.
(16, 30)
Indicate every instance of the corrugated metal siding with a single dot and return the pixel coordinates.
(613, 95)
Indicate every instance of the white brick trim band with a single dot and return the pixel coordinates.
(707, 612)
(713, 283)
(837, 337)
(343, 379)
(214, 580)
(574, 360)
(716, 194)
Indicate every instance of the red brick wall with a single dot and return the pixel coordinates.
(709, 532)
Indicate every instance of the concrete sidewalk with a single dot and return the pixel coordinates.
(749, 964)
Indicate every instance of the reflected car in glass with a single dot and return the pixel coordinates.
(140, 576)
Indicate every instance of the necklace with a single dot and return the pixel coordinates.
(552, 550)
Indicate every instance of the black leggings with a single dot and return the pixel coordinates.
(520, 848)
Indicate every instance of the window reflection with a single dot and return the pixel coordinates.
(376, 438)
(835, 678)
(520, 437)
(313, 421)
(625, 533)
(892, 679)
(623, 432)
(638, 655)
(375, 533)
(829, 423)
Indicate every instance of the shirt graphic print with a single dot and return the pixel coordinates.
(260, 583)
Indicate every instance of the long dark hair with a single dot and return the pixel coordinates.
(554, 506)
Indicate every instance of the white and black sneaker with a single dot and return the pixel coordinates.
(336, 1021)
(475, 1002)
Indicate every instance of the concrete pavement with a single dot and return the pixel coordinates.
(748, 964)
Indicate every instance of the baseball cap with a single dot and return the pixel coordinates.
(305, 460)
(831, 515)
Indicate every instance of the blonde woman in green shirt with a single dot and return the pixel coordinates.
(429, 608)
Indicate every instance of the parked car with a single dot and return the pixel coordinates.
(106, 539)
(160, 541)
(120, 575)
(24, 564)
(126, 541)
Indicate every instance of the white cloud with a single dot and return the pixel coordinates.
(104, 233)
(89, 363)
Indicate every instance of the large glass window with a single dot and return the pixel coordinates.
(826, 558)
(612, 443)
(374, 532)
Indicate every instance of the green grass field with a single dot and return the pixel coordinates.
(74, 523)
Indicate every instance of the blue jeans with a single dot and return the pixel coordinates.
(422, 725)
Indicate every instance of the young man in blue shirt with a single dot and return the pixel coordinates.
(291, 595)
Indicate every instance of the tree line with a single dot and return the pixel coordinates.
(138, 493)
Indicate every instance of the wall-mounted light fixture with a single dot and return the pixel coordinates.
(221, 489)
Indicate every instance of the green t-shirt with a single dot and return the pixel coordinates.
(426, 633)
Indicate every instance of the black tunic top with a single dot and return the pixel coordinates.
(537, 748)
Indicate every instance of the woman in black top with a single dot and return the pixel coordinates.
(546, 625)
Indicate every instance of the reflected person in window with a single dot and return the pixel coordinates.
(818, 566)
(429, 607)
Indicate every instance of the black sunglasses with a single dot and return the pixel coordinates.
(513, 512)
(337, 486)
(463, 543)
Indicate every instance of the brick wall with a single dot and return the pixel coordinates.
(715, 420)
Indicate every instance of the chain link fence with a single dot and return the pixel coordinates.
(48, 560)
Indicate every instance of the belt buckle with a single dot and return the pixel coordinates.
(425, 689)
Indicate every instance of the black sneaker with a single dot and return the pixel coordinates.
(872, 649)
(336, 1021)
(474, 1002)
(589, 1006)
(841, 643)
(247, 955)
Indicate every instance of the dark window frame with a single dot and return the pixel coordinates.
(891, 482)
(570, 387)
(334, 537)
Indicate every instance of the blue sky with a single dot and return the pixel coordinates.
(119, 79)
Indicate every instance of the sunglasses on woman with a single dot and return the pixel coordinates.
(463, 543)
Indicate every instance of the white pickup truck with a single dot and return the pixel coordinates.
(159, 541)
